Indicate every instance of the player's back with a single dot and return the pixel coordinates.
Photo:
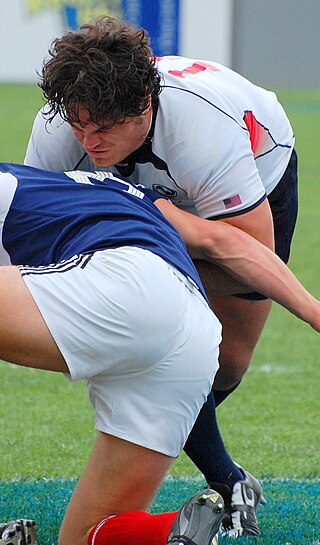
(48, 216)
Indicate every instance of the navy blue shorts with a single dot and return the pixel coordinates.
(283, 201)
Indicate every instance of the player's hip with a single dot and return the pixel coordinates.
(119, 311)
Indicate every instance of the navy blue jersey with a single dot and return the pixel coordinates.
(46, 217)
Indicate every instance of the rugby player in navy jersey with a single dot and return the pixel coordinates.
(95, 283)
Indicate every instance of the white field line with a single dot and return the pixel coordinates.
(277, 368)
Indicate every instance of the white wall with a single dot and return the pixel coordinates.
(25, 38)
(206, 30)
(282, 48)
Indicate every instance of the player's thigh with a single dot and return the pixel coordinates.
(242, 324)
(120, 476)
(24, 336)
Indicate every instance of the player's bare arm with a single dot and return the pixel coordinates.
(257, 222)
(245, 259)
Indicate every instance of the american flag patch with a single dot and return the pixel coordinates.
(232, 201)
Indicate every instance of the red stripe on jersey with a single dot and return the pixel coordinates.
(195, 68)
(260, 138)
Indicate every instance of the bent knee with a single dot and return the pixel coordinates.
(232, 369)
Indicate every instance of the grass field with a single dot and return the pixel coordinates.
(271, 424)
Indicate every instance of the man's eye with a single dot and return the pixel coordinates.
(106, 128)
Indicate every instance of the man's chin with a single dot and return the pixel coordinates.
(104, 161)
(101, 161)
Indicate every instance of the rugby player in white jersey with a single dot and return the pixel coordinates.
(203, 136)
(97, 284)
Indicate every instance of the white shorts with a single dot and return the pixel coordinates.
(142, 336)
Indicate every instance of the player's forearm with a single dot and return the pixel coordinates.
(245, 259)
(218, 281)
(262, 270)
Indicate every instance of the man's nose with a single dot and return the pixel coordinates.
(91, 141)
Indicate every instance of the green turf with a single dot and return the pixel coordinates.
(49, 423)
(270, 424)
(19, 105)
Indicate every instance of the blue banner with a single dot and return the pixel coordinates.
(71, 17)
(160, 18)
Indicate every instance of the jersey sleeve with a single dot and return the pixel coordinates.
(52, 146)
(152, 195)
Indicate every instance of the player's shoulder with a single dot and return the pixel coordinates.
(189, 83)
(187, 71)
(13, 169)
(45, 124)
(183, 66)
(52, 145)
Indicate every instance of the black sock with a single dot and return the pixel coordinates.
(221, 395)
(206, 449)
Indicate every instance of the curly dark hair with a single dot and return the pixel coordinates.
(107, 67)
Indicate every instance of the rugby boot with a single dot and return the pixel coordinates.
(199, 519)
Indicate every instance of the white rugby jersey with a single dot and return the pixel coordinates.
(47, 217)
(218, 144)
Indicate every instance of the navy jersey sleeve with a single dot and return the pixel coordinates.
(152, 195)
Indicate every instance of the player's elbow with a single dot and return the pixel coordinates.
(217, 242)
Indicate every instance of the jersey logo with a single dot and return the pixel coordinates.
(164, 191)
(99, 176)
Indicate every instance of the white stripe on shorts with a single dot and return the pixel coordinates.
(80, 260)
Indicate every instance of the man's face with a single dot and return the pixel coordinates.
(109, 147)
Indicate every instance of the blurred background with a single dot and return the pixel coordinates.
(276, 43)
